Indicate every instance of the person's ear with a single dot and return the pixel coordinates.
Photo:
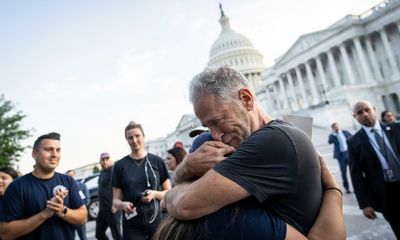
(247, 98)
(34, 153)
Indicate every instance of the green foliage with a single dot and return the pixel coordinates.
(96, 169)
(11, 133)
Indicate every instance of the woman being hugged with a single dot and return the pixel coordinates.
(139, 182)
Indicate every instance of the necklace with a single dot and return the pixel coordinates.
(138, 162)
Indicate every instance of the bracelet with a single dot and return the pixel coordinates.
(334, 188)
(63, 212)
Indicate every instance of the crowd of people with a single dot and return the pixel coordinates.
(244, 168)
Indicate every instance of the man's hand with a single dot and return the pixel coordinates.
(127, 207)
(203, 159)
(369, 212)
(114, 209)
(56, 203)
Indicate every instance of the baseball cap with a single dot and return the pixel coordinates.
(178, 144)
(198, 130)
(104, 155)
(198, 141)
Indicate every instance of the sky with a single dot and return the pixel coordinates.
(86, 68)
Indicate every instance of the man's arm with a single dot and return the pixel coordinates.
(18, 228)
(330, 222)
(330, 139)
(204, 196)
(75, 216)
(357, 176)
(359, 184)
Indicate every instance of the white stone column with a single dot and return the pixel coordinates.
(303, 91)
(398, 26)
(312, 83)
(389, 52)
(295, 105)
(363, 60)
(334, 71)
(374, 62)
(263, 99)
(253, 79)
(269, 99)
(321, 72)
(347, 65)
(278, 102)
(283, 93)
(249, 79)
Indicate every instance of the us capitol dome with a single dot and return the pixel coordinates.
(232, 48)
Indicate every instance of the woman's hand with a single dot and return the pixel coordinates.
(328, 180)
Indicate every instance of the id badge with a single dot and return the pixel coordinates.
(129, 216)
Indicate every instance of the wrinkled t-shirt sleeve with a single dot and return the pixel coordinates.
(264, 164)
(164, 175)
(116, 174)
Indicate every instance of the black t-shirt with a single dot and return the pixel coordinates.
(28, 195)
(279, 166)
(105, 190)
(135, 176)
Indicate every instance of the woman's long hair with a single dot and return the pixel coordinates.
(173, 229)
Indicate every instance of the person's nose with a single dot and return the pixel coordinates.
(54, 153)
(365, 113)
(217, 136)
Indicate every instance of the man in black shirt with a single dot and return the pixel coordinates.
(108, 215)
(269, 160)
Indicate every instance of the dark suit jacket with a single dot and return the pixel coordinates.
(336, 147)
(366, 170)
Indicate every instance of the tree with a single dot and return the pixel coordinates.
(11, 133)
(96, 169)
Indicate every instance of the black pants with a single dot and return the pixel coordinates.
(392, 212)
(138, 228)
(107, 219)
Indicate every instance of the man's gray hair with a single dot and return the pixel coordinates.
(222, 81)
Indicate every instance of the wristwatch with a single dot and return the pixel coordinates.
(64, 211)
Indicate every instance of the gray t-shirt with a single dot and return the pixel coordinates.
(278, 165)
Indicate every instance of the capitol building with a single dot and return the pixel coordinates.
(321, 75)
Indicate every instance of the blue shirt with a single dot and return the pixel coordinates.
(27, 196)
(241, 221)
